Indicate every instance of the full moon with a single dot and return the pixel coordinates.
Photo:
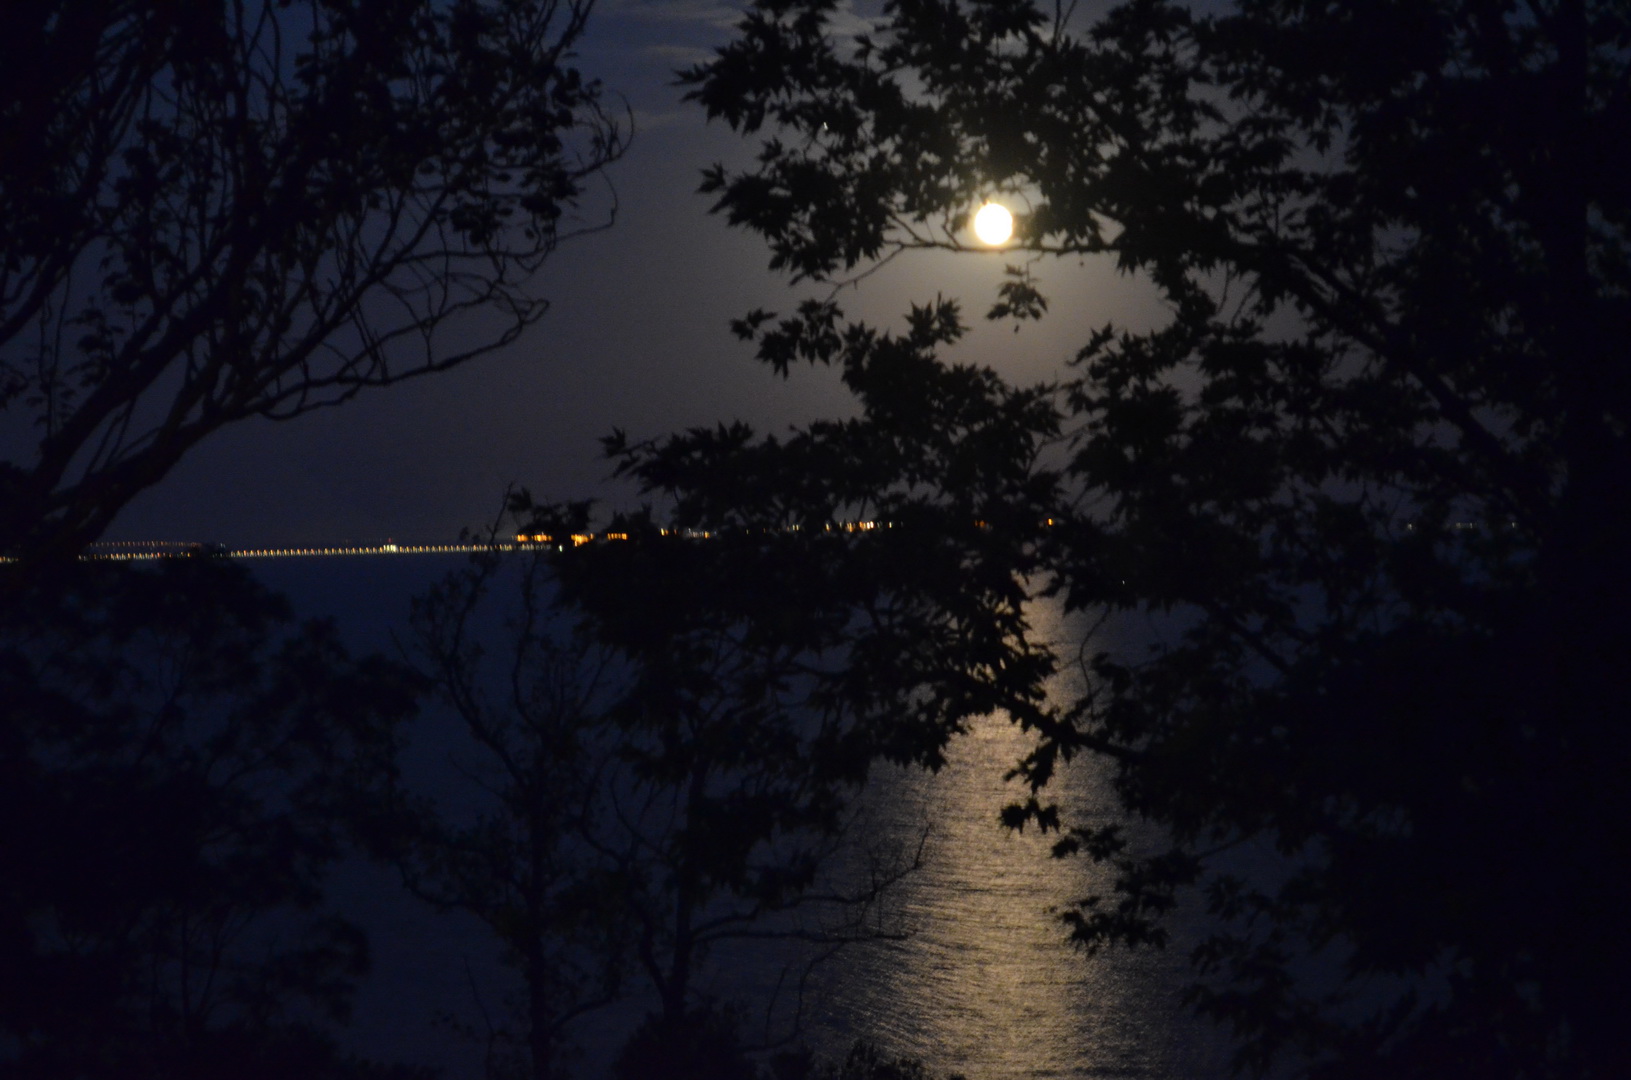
(993, 224)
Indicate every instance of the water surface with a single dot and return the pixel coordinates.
(983, 984)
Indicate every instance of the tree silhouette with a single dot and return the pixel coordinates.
(213, 211)
(662, 773)
(178, 767)
(1371, 472)
(210, 212)
(531, 700)
(736, 768)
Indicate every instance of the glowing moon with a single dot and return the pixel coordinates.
(993, 224)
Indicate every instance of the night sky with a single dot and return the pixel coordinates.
(637, 338)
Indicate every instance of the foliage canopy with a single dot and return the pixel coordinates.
(178, 770)
(213, 211)
(1371, 472)
(668, 770)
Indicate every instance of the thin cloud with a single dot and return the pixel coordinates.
(712, 13)
(678, 55)
(656, 119)
(844, 20)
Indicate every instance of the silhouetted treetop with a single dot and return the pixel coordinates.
(1357, 167)
(1370, 472)
(212, 211)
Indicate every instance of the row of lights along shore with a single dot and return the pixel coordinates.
(142, 550)
(992, 223)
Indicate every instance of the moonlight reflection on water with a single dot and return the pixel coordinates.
(986, 984)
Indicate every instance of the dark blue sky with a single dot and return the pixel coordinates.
(636, 338)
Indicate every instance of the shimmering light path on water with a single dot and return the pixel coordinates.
(987, 986)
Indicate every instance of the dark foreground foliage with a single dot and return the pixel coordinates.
(178, 768)
(705, 1047)
(1371, 471)
(660, 769)
(214, 211)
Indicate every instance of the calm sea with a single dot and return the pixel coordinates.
(982, 983)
